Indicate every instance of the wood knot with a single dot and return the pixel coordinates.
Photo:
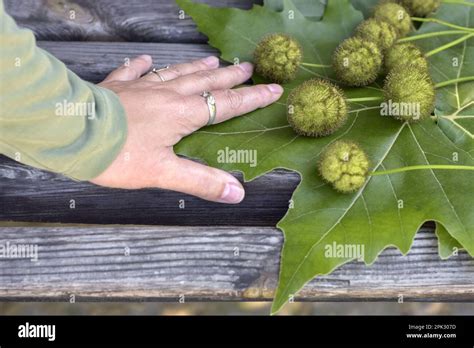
(68, 10)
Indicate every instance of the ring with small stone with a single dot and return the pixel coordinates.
(211, 104)
(157, 72)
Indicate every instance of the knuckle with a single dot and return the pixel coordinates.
(127, 67)
(237, 72)
(208, 76)
(234, 99)
(262, 94)
(124, 69)
(207, 186)
(185, 115)
(132, 72)
(175, 71)
(200, 65)
(183, 106)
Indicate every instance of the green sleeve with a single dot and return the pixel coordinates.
(49, 117)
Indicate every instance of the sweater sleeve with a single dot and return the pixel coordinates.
(49, 117)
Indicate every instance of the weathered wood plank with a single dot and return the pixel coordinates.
(111, 20)
(201, 263)
(92, 61)
(29, 194)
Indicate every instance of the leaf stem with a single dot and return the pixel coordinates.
(316, 65)
(421, 167)
(458, 2)
(450, 82)
(355, 100)
(439, 21)
(434, 34)
(448, 45)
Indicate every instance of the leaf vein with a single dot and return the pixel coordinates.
(356, 197)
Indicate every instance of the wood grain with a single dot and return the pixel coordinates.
(111, 20)
(201, 263)
(29, 194)
(92, 61)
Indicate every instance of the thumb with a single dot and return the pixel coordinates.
(202, 181)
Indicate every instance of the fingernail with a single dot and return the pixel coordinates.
(146, 57)
(247, 67)
(274, 88)
(211, 61)
(233, 193)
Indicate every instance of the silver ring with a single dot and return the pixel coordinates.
(157, 72)
(211, 105)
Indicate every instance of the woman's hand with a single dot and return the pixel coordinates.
(160, 114)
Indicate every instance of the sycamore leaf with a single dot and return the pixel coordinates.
(455, 103)
(446, 243)
(389, 209)
(365, 6)
(455, 106)
(312, 9)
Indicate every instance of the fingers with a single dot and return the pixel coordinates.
(208, 183)
(131, 70)
(209, 80)
(179, 70)
(229, 103)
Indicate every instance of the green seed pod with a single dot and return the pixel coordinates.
(396, 15)
(421, 8)
(344, 165)
(410, 93)
(405, 54)
(277, 58)
(316, 108)
(381, 33)
(357, 62)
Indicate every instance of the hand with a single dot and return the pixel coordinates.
(160, 114)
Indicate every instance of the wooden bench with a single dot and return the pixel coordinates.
(204, 251)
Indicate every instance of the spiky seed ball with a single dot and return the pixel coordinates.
(357, 62)
(383, 34)
(277, 58)
(410, 92)
(405, 54)
(421, 8)
(344, 165)
(396, 15)
(316, 108)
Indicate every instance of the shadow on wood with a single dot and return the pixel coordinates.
(29, 194)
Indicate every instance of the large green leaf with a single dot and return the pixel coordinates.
(447, 244)
(455, 104)
(312, 9)
(365, 6)
(389, 209)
